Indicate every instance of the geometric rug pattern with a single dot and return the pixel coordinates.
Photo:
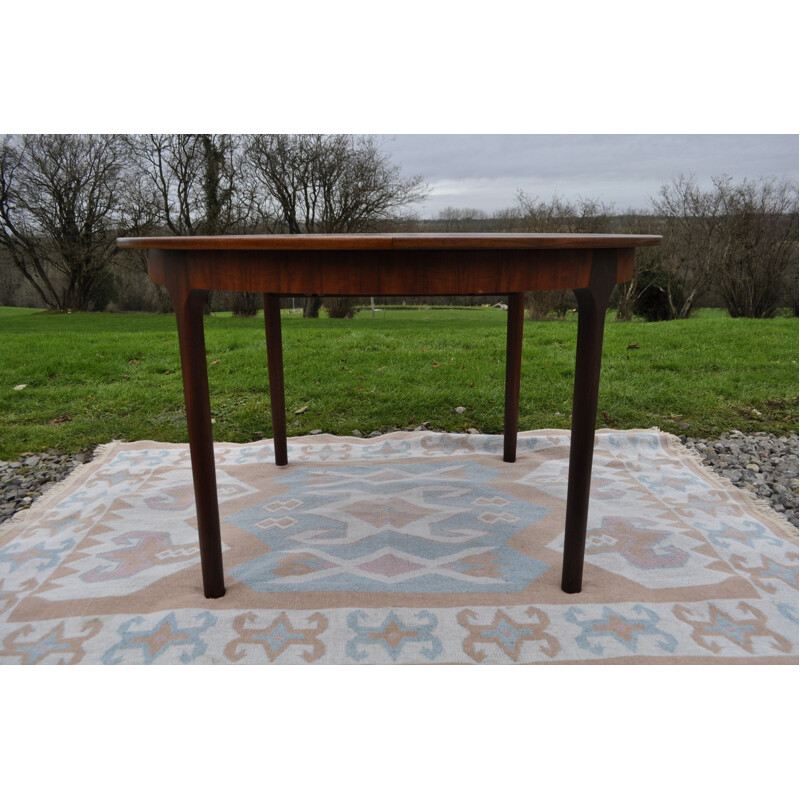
(410, 548)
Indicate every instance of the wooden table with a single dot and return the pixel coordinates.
(365, 265)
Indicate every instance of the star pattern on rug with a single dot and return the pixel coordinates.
(718, 626)
(137, 641)
(393, 635)
(277, 637)
(765, 573)
(506, 633)
(622, 629)
(54, 645)
(44, 557)
(426, 527)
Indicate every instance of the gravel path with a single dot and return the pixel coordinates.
(21, 482)
(762, 463)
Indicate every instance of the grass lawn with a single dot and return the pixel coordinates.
(91, 378)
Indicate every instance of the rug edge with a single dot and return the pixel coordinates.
(694, 460)
(52, 495)
(672, 444)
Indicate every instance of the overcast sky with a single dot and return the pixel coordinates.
(485, 171)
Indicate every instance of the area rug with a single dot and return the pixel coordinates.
(410, 548)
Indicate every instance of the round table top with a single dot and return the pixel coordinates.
(395, 241)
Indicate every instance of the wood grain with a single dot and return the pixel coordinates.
(393, 241)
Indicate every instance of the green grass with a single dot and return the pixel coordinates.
(91, 378)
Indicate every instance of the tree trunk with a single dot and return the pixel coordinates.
(311, 307)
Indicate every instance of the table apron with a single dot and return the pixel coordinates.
(381, 273)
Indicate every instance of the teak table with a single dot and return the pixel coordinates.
(365, 265)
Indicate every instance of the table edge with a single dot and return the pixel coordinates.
(391, 241)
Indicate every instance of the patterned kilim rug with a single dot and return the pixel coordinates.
(415, 548)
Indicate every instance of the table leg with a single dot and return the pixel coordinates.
(592, 304)
(272, 324)
(516, 318)
(189, 315)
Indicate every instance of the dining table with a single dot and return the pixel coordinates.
(391, 265)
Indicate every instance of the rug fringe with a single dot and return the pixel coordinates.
(675, 445)
(52, 493)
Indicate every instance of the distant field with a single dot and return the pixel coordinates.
(91, 378)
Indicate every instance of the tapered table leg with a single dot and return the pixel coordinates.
(272, 324)
(189, 315)
(592, 304)
(516, 318)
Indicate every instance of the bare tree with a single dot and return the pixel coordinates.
(193, 185)
(561, 216)
(558, 216)
(687, 259)
(194, 182)
(759, 245)
(627, 297)
(328, 184)
(462, 219)
(737, 240)
(60, 210)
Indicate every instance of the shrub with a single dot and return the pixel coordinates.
(659, 295)
(340, 307)
(540, 305)
(245, 304)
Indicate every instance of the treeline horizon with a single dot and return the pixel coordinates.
(64, 199)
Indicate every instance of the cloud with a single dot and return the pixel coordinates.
(486, 171)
